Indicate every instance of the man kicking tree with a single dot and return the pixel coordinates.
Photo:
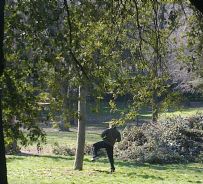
(109, 136)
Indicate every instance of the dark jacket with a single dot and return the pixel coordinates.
(111, 135)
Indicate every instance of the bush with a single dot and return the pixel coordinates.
(64, 126)
(55, 125)
(63, 150)
(12, 147)
(67, 151)
(171, 141)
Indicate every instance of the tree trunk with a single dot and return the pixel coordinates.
(154, 113)
(78, 165)
(65, 123)
(3, 170)
(155, 107)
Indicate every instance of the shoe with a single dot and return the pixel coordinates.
(112, 170)
(94, 159)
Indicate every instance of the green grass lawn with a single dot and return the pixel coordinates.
(145, 114)
(58, 170)
(186, 112)
(69, 138)
(47, 168)
(94, 130)
(62, 139)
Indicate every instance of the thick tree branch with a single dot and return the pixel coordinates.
(157, 33)
(140, 31)
(139, 28)
(78, 64)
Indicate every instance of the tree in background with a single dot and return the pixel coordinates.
(23, 77)
(88, 29)
(139, 54)
(50, 48)
(195, 43)
(151, 42)
(3, 173)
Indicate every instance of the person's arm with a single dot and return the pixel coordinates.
(104, 133)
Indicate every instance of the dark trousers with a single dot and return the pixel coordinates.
(109, 149)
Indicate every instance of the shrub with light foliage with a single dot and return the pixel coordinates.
(173, 140)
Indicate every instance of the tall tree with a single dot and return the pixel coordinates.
(87, 31)
(78, 165)
(149, 43)
(22, 79)
(3, 169)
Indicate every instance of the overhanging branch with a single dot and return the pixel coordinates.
(77, 62)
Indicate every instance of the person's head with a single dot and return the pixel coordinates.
(112, 125)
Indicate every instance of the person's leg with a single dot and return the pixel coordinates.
(109, 151)
(96, 147)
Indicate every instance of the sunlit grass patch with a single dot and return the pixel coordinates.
(187, 112)
(59, 170)
(67, 139)
(48, 169)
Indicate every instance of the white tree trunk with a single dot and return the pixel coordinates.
(78, 165)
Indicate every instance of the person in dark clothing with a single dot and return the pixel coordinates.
(109, 136)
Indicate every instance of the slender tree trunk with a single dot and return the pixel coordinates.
(157, 64)
(65, 123)
(3, 170)
(155, 113)
(155, 107)
(78, 165)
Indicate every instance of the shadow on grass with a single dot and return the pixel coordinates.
(133, 174)
(144, 176)
(102, 171)
(22, 156)
(179, 167)
(103, 159)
